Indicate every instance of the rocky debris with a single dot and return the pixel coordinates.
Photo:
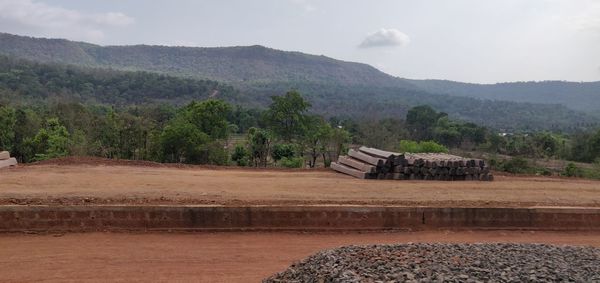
(447, 263)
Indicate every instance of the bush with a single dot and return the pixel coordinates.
(241, 155)
(517, 165)
(424, 146)
(283, 151)
(571, 170)
(591, 173)
(431, 146)
(543, 171)
(293, 162)
(493, 162)
(216, 154)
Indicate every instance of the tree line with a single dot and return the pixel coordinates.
(198, 133)
(286, 133)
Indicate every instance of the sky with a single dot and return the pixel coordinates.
(463, 40)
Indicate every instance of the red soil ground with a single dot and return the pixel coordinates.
(101, 181)
(207, 257)
(239, 257)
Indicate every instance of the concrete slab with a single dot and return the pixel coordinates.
(8, 162)
(4, 155)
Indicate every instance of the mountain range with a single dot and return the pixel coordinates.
(334, 87)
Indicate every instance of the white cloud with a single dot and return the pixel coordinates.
(385, 37)
(40, 19)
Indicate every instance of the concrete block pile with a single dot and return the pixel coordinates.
(372, 163)
(6, 160)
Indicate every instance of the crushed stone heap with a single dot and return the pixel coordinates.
(447, 263)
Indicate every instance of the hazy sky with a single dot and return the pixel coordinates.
(464, 40)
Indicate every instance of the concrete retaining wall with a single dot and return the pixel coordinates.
(146, 218)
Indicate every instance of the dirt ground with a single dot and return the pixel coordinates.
(233, 256)
(207, 257)
(82, 184)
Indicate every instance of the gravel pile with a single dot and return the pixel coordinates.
(447, 263)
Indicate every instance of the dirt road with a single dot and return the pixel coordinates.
(87, 184)
(205, 257)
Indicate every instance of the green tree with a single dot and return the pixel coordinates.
(317, 134)
(8, 121)
(337, 144)
(472, 133)
(51, 141)
(197, 134)
(593, 147)
(280, 151)
(241, 155)
(447, 132)
(421, 119)
(547, 144)
(107, 135)
(285, 115)
(29, 124)
(244, 118)
(210, 117)
(384, 133)
(259, 142)
(182, 142)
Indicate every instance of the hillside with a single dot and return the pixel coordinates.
(260, 68)
(24, 81)
(252, 66)
(227, 64)
(584, 96)
(251, 75)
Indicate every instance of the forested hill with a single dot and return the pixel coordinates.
(228, 64)
(24, 81)
(584, 96)
(256, 68)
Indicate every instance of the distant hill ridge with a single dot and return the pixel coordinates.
(251, 65)
(584, 96)
(335, 88)
(228, 64)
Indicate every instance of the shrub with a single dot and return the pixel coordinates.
(216, 154)
(571, 170)
(591, 173)
(424, 146)
(493, 162)
(543, 171)
(293, 162)
(241, 155)
(431, 146)
(517, 165)
(283, 151)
